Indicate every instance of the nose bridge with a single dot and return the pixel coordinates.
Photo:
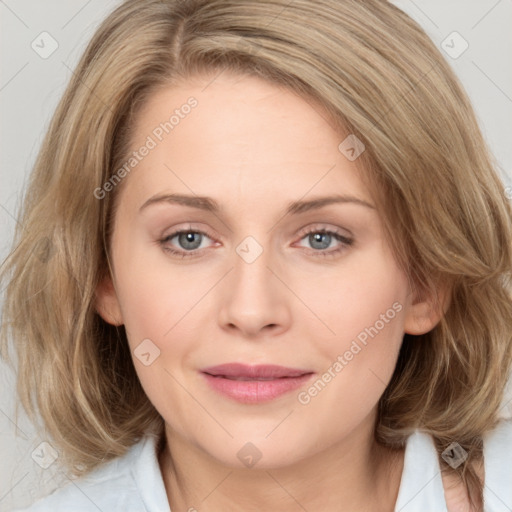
(251, 270)
(253, 300)
(251, 280)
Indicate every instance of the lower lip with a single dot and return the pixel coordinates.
(255, 391)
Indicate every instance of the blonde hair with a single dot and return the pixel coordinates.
(378, 76)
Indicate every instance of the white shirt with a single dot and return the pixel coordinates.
(133, 482)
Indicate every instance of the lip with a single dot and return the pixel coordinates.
(254, 383)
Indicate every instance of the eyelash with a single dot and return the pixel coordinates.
(345, 242)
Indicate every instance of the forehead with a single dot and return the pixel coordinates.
(238, 138)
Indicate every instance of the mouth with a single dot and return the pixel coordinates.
(254, 383)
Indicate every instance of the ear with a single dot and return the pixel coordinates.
(427, 309)
(107, 303)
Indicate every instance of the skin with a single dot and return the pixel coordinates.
(254, 148)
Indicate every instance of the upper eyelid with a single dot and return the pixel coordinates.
(319, 227)
(316, 227)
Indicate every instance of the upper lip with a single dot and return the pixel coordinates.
(261, 371)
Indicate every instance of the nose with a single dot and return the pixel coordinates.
(254, 302)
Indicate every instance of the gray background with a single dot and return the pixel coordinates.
(30, 87)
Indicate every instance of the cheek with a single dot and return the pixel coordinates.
(362, 299)
(368, 356)
(159, 308)
(364, 307)
(156, 297)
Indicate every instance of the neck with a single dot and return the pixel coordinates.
(357, 474)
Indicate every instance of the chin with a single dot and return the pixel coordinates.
(257, 452)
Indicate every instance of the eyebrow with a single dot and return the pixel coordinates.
(295, 207)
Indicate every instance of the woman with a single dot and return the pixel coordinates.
(276, 267)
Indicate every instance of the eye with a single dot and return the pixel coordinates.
(185, 242)
(326, 242)
(189, 242)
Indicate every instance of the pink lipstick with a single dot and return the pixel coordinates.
(254, 383)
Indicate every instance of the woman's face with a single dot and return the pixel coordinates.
(282, 262)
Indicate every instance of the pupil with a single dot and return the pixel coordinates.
(190, 240)
(320, 240)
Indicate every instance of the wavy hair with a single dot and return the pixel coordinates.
(378, 76)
